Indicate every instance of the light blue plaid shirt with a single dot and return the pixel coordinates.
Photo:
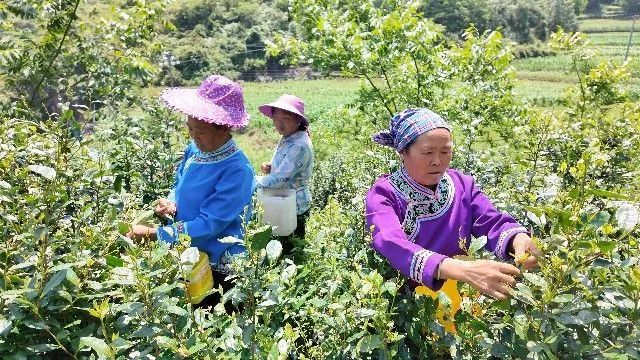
(291, 168)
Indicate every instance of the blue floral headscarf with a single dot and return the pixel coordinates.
(407, 126)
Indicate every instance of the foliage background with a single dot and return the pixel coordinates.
(87, 150)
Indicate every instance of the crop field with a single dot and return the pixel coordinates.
(605, 25)
(545, 78)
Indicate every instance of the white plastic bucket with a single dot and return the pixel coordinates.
(279, 206)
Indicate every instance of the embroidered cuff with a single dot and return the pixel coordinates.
(417, 264)
(424, 266)
(505, 239)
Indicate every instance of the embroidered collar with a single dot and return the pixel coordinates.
(422, 203)
(222, 153)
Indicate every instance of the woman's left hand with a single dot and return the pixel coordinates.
(265, 168)
(141, 232)
(525, 251)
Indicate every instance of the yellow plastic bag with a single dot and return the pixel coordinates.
(450, 288)
(200, 279)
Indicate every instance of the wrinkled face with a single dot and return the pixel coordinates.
(286, 122)
(428, 156)
(207, 136)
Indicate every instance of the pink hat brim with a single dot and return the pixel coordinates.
(187, 101)
(267, 110)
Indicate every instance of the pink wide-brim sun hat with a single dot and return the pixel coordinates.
(285, 102)
(217, 100)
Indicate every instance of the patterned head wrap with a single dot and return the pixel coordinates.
(407, 126)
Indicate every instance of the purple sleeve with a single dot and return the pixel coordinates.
(498, 227)
(413, 261)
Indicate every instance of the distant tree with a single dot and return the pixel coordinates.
(224, 36)
(579, 6)
(524, 21)
(594, 7)
(630, 7)
(456, 15)
(562, 14)
(187, 17)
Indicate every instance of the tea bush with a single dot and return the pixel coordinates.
(72, 286)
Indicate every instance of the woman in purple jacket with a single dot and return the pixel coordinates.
(420, 213)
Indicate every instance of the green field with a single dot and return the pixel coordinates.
(619, 51)
(320, 96)
(614, 38)
(534, 89)
(547, 77)
(605, 25)
(548, 63)
(562, 62)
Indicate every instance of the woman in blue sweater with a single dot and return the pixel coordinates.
(214, 182)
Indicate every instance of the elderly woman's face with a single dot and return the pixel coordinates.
(285, 122)
(207, 137)
(429, 156)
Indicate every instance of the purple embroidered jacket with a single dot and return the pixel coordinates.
(415, 228)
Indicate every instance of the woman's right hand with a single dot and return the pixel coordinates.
(265, 168)
(165, 207)
(490, 277)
